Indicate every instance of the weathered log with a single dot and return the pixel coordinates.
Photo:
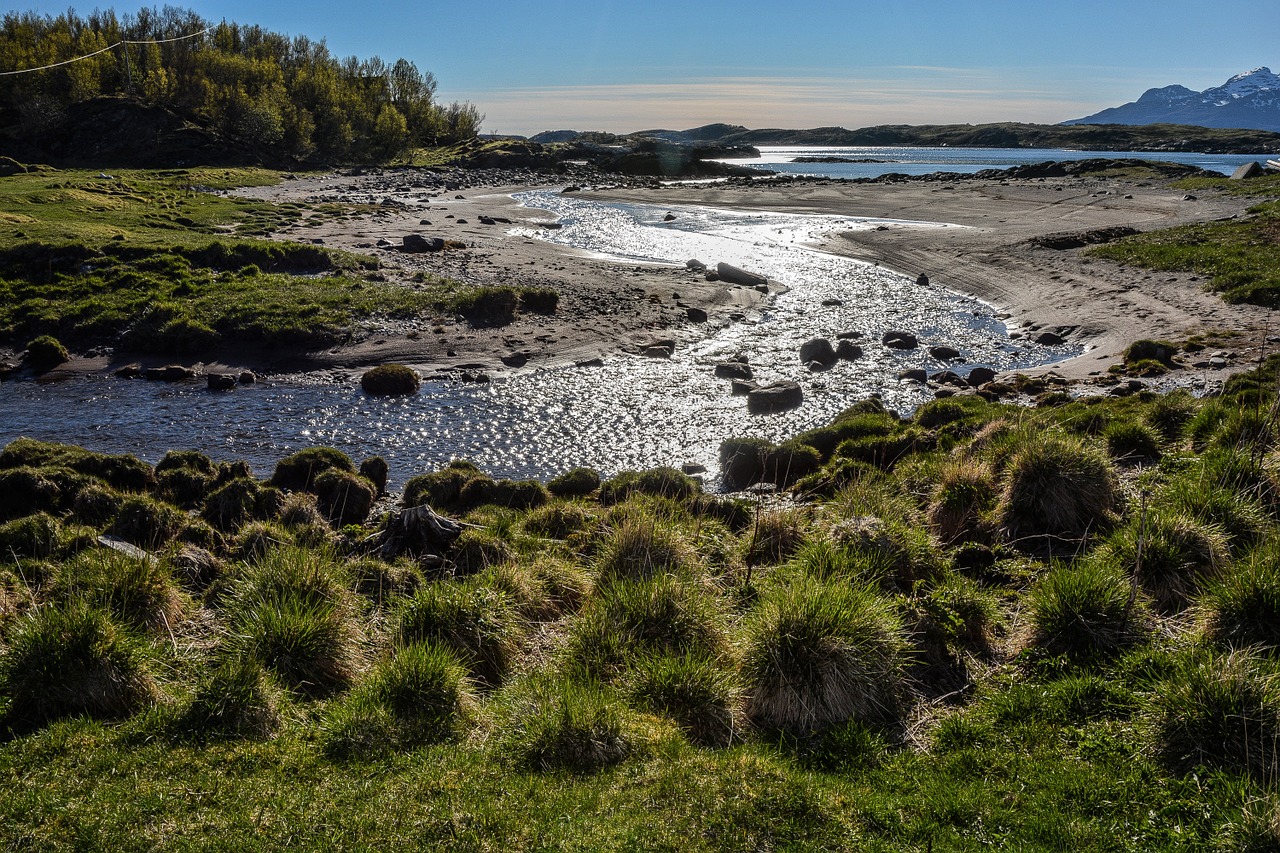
(419, 530)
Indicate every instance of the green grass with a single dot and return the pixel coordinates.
(1237, 258)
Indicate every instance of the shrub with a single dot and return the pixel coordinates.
(1132, 442)
(643, 548)
(1085, 611)
(138, 592)
(69, 660)
(821, 654)
(694, 690)
(45, 353)
(478, 623)
(1177, 554)
(345, 498)
(1055, 489)
(962, 503)
(390, 380)
(659, 615)
(236, 700)
(147, 523)
(239, 501)
(1242, 608)
(298, 471)
(574, 483)
(567, 726)
(33, 536)
(1221, 712)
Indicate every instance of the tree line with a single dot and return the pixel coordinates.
(289, 98)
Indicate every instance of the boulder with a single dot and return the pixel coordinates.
(589, 362)
(944, 353)
(169, 373)
(691, 468)
(740, 387)
(832, 303)
(981, 376)
(914, 374)
(655, 352)
(390, 380)
(734, 370)
(221, 381)
(819, 350)
(129, 371)
(947, 377)
(515, 359)
(696, 315)
(417, 244)
(922, 280)
(1049, 339)
(778, 397)
(898, 339)
(734, 275)
(848, 350)
(695, 265)
(1248, 170)
(247, 377)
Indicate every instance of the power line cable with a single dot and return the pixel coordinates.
(103, 50)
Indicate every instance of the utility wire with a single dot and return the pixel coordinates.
(103, 50)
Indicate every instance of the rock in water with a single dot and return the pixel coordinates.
(819, 350)
(390, 380)
(734, 275)
(778, 397)
(848, 350)
(898, 339)
(944, 353)
(734, 370)
(221, 381)
(981, 376)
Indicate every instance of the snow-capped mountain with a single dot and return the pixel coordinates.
(1249, 100)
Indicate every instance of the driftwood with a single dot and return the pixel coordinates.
(418, 530)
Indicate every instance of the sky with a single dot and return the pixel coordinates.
(626, 66)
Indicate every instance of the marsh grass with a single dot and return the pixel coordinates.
(696, 691)
(236, 700)
(136, 592)
(477, 622)
(1242, 607)
(1086, 611)
(568, 726)
(1056, 491)
(1171, 555)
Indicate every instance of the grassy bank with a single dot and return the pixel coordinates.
(1036, 629)
(1237, 257)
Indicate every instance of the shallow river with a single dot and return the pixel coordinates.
(632, 413)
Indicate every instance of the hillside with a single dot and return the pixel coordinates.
(1248, 100)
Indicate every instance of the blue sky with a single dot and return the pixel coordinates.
(623, 66)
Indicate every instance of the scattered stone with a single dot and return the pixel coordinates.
(711, 275)
(944, 353)
(819, 350)
(848, 350)
(247, 377)
(390, 380)
(221, 381)
(692, 468)
(941, 393)
(1248, 170)
(696, 315)
(169, 373)
(129, 371)
(1049, 339)
(734, 275)
(947, 377)
(778, 397)
(670, 217)
(832, 303)
(740, 387)
(417, 244)
(655, 352)
(695, 265)
(1189, 197)
(424, 221)
(981, 376)
(589, 362)
(898, 339)
(914, 374)
(849, 336)
(1217, 362)
(515, 359)
(486, 220)
(734, 370)
(922, 280)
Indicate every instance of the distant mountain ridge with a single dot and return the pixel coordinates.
(1249, 100)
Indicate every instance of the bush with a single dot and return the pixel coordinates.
(1055, 492)
(1085, 611)
(478, 623)
(1177, 553)
(390, 380)
(1242, 608)
(1221, 712)
(147, 523)
(962, 503)
(574, 483)
(69, 660)
(629, 618)
(694, 690)
(821, 654)
(45, 353)
(567, 726)
(237, 700)
(345, 497)
(33, 536)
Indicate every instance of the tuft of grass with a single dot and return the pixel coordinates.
(643, 548)
(33, 536)
(146, 522)
(566, 726)
(390, 380)
(298, 471)
(1132, 442)
(962, 502)
(137, 592)
(1171, 555)
(67, 660)
(696, 691)
(775, 537)
(241, 500)
(1085, 611)
(1242, 607)
(820, 654)
(236, 700)
(574, 483)
(478, 623)
(1055, 492)
(1221, 711)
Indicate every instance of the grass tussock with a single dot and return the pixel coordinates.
(1055, 493)
(477, 622)
(567, 726)
(1087, 611)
